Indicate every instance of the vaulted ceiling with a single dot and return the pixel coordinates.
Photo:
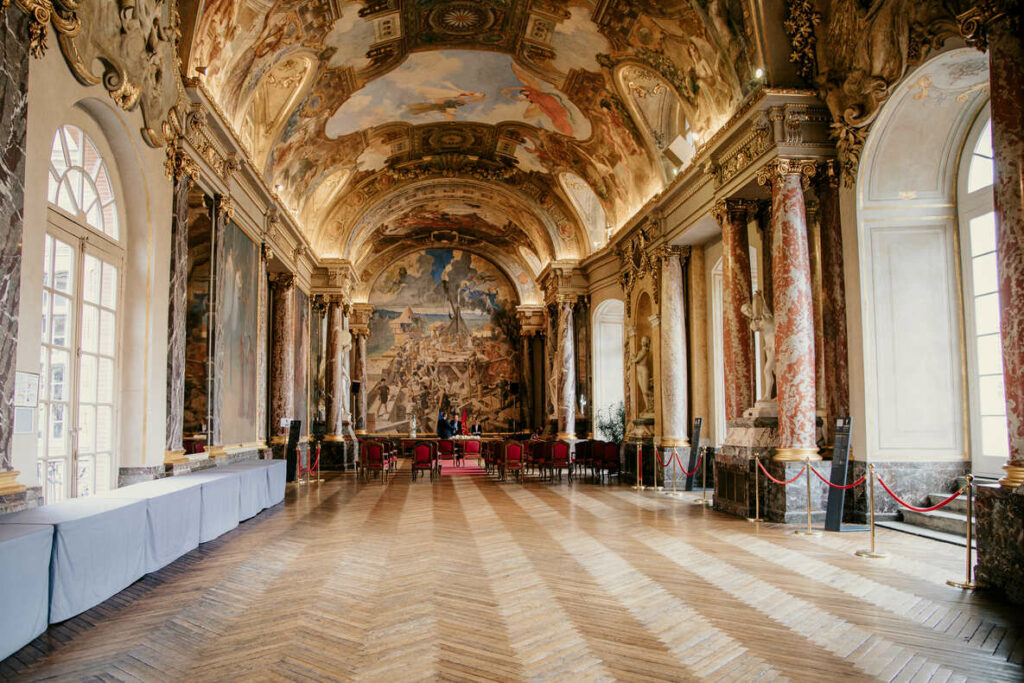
(529, 128)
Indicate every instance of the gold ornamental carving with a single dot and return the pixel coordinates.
(226, 206)
(635, 263)
(975, 23)
(777, 169)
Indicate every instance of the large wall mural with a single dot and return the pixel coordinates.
(237, 291)
(442, 336)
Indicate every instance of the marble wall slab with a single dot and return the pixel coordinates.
(13, 101)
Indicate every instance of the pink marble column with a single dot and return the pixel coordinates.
(565, 357)
(737, 338)
(282, 355)
(794, 309)
(1006, 78)
(673, 378)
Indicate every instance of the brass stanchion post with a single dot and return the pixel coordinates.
(807, 471)
(639, 485)
(703, 483)
(968, 584)
(757, 494)
(674, 473)
(872, 553)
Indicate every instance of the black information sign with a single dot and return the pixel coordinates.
(694, 450)
(291, 450)
(840, 465)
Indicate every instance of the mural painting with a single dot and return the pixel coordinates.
(200, 232)
(442, 336)
(237, 292)
(301, 405)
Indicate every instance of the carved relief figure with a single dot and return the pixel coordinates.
(762, 320)
(645, 386)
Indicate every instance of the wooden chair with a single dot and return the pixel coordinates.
(581, 459)
(512, 459)
(446, 449)
(372, 459)
(424, 457)
(610, 461)
(560, 454)
(471, 449)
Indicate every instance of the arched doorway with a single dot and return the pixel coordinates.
(609, 380)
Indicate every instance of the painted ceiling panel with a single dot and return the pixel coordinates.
(352, 103)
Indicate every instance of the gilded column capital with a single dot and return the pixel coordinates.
(179, 165)
(777, 169)
(225, 205)
(285, 280)
(532, 320)
(975, 23)
(359, 319)
(726, 211)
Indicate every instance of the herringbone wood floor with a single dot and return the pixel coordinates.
(471, 579)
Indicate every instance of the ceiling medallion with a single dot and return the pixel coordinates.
(461, 18)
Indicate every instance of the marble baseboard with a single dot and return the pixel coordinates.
(1000, 537)
(913, 481)
(134, 475)
(31, 497)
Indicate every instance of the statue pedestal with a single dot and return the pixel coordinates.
(748, 440)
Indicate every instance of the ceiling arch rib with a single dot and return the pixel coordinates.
(397, 87)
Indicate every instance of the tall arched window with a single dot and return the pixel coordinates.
(989, 438)
(609, 378)
(82, 260)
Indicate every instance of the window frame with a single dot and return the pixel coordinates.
(85, 240)
(971, 205)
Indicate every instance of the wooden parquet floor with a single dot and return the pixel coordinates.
(472, 579)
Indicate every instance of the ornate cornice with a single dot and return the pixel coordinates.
(777, 169)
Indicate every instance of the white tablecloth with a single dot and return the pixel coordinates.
(99, 549)
(220, 502)
(276, 473)
(173, 516)
(24, 584)
(254, 488)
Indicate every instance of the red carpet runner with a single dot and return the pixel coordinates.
(469, 468)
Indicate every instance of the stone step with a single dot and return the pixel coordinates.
(958, 506)
(954, 539)
(939, 520)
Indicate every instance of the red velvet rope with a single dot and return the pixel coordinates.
(917, 509)
(317, 467)
(679, 461)
(662, 462)
(781, 483)
(837, 486)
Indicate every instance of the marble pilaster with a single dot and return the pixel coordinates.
(261, 343)
(674, 372)
(833, 289)
(737, 338)
(217, 343)
(526, 388)
(565, 358)
(793, 309)
(177, 314)
(282, 355)
(1006, 80)
(14, 60)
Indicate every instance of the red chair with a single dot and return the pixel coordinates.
(446, 449)
(372, 459)
(560, 459)
(582, 459)
(471, 449)
(512, 459)
(610, 462)
(540, 455)
(424, 457)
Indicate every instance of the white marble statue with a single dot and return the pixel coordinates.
(345, 341)
(642, 363)
(763, 321)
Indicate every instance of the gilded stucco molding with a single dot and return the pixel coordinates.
(974, 24)
(855, 54)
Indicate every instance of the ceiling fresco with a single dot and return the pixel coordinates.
(349, 104)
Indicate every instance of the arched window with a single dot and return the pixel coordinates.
(79, 181)
(990, 441)
(81, 294)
